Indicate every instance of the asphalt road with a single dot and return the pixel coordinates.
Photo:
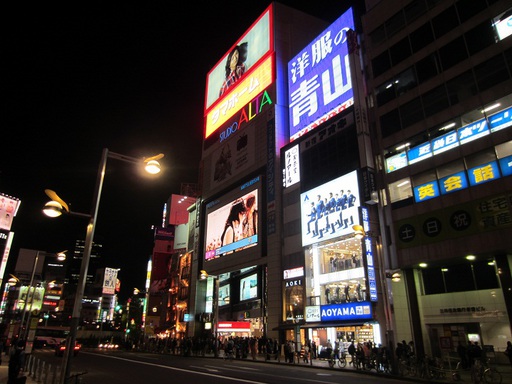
(121, 368)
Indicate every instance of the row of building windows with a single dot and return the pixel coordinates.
(476, 169)
(493, 71)
(459, 13)
(460, 278)
(473, 41)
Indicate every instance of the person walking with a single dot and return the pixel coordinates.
(508, 352)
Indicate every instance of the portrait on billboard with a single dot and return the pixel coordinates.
(232, 224)
(330, 210)
(237, 63)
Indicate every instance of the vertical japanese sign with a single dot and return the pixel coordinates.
(109, 281)
(370, 267)
(320, 85)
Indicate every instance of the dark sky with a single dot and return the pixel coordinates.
(129, 77)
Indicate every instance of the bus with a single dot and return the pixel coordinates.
(50, 336)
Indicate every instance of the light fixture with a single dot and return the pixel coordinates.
(470, 257)
(152, 165)
(358, 231)
(61, 256)
(52, 209)
(203, 274)
(394, 275)
(490, 107)
(423, 265)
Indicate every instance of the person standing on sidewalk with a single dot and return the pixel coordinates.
(508, 352)
(16, 362)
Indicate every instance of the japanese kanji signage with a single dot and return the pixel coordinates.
(491, 213)
(320, 84)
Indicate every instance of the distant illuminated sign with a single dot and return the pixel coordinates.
(483, 173)
(396, 162)
(292, 273)
(370, 268)
(242, 94)
(473, 131)
(426, 191)
(348, 311)
(8, 209)
(500, 120)
(453, 183)
(419, 153)
(320, 84)
(291, 171)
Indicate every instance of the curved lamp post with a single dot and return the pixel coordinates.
(58, 206)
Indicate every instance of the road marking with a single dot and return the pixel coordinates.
(185, 370)
(205, 367)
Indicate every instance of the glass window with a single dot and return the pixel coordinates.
(480, 37)
(459, 278)
(469, 8)
(405, 81)
(435, 100)
(427, 68)
(411, 112)
(450, 168)
(504, 150)
(421, 37)
(400, 190)
(491, 73)
(508, 58)
(480, 158)
(453, 53)
(381, 63)
(378, 36)
(445, 22)
(400, 51)
(486, 275)
(424, 177)
(461, 87)
(390, 123)
(385, 93)
(414, 10)
(395, 24)
(433, 281)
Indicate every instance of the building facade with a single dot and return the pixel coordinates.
(440, 85)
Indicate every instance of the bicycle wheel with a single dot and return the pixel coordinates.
(331, 363)
(342, 362)
(492, 376)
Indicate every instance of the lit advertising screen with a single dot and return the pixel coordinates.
(232, 221)
(224, 294)
(249, 287)
(319, 83)
(244, 72)
(330, 210)
(8, 209)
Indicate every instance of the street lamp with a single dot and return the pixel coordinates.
(58, 206)
(61, 256)
(204, 276)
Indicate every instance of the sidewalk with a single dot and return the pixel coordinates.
(4, 371)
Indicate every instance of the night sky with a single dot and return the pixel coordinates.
(79, 77)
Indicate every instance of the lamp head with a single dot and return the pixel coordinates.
(358, 231)
(52, 209)
(152, 165)
(204, 274)
(61, 256)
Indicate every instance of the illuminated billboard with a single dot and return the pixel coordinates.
(8, 209)
(243, 73)
(109, 281)
(232, 222)
(319, 82)
(249, 287)
(330, 210)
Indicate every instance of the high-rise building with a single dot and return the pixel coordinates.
(439, 88)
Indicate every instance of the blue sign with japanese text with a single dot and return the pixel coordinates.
(426, 191)
(349, 311)
(483, 173)
(506, 166)
(320, 84)
(453, 183)
(473, 131)
(500, 120)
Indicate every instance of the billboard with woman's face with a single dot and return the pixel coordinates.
(232, 221)
(242, 73)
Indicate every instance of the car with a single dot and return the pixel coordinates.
(108, 345)
(61, 348)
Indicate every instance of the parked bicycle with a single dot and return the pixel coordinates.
(483, 372)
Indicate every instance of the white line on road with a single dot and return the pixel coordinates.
(185, 370)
